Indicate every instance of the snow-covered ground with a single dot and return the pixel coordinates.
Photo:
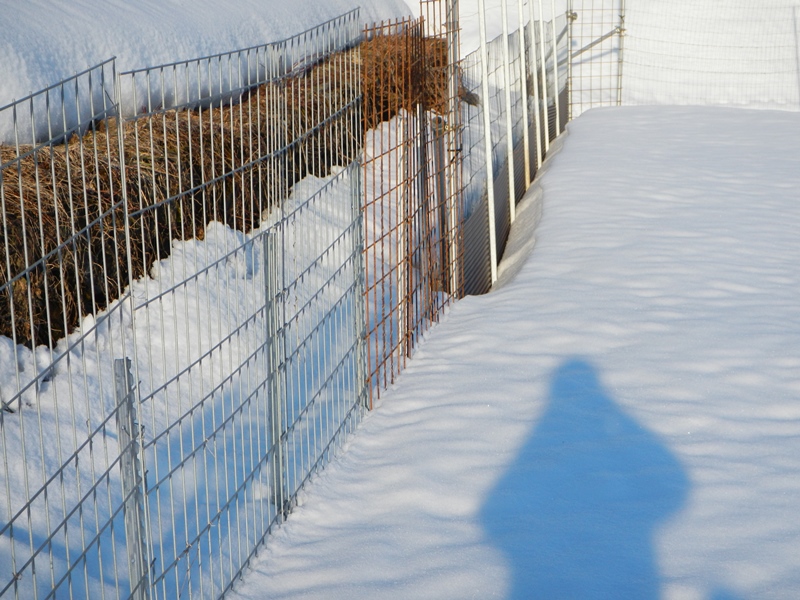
(620, 418)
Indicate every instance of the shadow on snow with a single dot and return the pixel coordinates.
(577, 511)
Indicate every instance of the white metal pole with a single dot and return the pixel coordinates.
(487, 138)
(555, 65)
(523, 81)
(535, 76)
(571, 16)
(546, 111)
(621, 50)
(512, 193)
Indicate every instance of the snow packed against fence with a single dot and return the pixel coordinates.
(619, 417)
(611, 284)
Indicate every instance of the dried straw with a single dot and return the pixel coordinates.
(63, 248)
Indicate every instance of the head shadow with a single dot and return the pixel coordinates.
(576, 513)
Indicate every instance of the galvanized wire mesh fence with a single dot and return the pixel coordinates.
(170, 238)
(63, 239)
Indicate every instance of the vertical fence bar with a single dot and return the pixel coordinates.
(440, 173)
(571, 17)
(454, 147)
(360, 309)
(555, 67)
(132, 481)
(523, 78)
(534, 74)
(274, 297)
(543, 71)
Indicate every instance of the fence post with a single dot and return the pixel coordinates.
(621, 29)
(534, 74)
(443, 273)
(571, 18)
(360, 309)
(523, 82)
(555, 66)
(543, 71)
(274, 314)
(132, 484)
(454, 143)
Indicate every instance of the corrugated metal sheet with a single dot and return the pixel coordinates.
(502, 212)
(477, 266)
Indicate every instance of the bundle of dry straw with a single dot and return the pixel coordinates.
(64, 249)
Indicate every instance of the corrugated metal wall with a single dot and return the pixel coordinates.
(477, 266)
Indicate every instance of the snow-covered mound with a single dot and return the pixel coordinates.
(43, 41)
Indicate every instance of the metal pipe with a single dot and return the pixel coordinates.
(555, 67)
(621, 30)
(523, 79)
(535, 78)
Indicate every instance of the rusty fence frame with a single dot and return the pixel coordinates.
(412, 185)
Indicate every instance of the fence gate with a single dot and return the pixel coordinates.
(412, 182)
(596, 54)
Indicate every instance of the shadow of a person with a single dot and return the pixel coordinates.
(576, 512)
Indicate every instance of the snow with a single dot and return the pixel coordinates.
(44, 41)
(618, 418)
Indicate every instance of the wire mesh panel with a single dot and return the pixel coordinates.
(596, 52)
(247, 339)
(411, 189)
(64, 312)
(739, 53)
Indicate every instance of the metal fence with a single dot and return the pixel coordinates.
(596, 54)
(63, 241)
(412, 185)
(210, 267)
(515, 102)
(183, 338)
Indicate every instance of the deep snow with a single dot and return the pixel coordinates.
(619, 418)
(621, 411)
